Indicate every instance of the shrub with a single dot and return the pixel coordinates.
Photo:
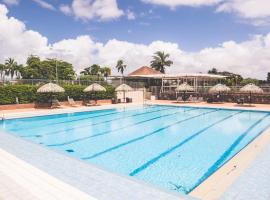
(28, 94)
(25, 94)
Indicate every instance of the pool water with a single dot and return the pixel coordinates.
(172, 147)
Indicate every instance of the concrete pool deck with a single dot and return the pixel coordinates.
(221, 183)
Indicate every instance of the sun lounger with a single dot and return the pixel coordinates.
(200, 99)
(128, 100)
(179, 99)
(91, 103)
(56, 104)
(240, 101)
(72, 102)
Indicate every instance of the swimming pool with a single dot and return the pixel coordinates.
(172, 147)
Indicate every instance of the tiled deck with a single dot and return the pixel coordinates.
(254, 183)
(20, 180)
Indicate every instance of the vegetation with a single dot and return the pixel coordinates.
(28, 94)
(160, 61)
(95, 73)
(35, 68)
(51, 69)
(120, 66)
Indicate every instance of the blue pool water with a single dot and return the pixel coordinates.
(172, 147)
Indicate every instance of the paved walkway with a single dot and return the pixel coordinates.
(22, 181)
(254, 183)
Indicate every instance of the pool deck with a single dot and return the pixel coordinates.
(30, 171)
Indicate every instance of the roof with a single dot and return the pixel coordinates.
(181, 75)
(142, 71)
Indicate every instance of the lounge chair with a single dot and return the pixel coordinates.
(200, 99)
(179, 99)
(91, 103)
(128, 100)
(194, 99)
(210, 100)
(190, 98)
(72, 102)
(240, 101)
(56, 104)
(114, 101)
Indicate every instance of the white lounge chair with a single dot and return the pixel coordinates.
(72, 102)
(179, 99)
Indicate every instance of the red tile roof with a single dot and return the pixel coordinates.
(144, 71)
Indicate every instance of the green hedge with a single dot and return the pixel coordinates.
(28, 94)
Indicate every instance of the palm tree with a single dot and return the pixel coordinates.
(2, 71)
(12, 68)
(121, 66)
(106, 71)
(160, 61)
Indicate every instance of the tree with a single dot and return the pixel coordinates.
(268, 77)
(46, 69)
(106, 71)
(250, 80)
(92, 70)
(213, 71)
(2, 71)
(12, 68)
(231, 79)
(120, 66)
(160, 61)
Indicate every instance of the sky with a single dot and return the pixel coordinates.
(232, 35)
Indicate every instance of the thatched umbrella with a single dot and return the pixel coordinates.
(251, 88)
(50, 88)
(94, 88)
(184, 87)
(124, 88)
(219, 88)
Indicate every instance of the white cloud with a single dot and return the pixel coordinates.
(93, 9)
(65, 9)
(44, 4)
(247, 8)
(175, 3)
(250, 58)
(130, 15)
(11, 2)
(256, 12)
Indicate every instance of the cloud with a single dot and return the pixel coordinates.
(44, 4)
(257, 11)
(175, 3)
(250, 58)
(65, 9)
(89, 10)
(11, 2)
(130, 15)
